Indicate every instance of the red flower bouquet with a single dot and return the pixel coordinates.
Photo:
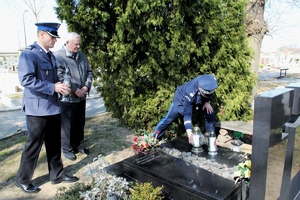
(145, 143)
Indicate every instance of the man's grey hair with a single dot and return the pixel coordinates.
(72, 35)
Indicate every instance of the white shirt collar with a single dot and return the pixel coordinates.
(43, 48)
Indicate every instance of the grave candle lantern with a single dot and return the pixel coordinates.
(198, 140)
(67, 80)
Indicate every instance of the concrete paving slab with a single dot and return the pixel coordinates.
(244, 127)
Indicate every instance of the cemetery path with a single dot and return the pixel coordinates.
(13, 120)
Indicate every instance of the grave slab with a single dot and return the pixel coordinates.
(181, 180)
(224, 156)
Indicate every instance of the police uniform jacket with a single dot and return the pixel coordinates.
(81, 73)
(188, 96)
(38, 75)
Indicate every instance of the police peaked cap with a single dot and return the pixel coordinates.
(207, 83)
(48, 27)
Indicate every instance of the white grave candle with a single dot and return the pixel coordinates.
(196, 140)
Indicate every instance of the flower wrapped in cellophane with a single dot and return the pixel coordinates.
(146, 143)
(243, 171)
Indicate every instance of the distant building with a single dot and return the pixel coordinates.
(284, 57)
(9, 61)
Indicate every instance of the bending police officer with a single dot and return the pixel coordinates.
(197, 91)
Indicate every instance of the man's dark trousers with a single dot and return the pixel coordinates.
(72, 125)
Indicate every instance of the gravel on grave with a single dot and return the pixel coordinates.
(209, 165)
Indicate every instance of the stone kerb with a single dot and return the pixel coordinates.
(9, 82)
(9, 85)
(11, 102)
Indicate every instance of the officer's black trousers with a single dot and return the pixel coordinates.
(41, 129)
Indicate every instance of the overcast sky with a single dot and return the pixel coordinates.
(12, 30)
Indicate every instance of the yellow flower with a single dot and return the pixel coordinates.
(243, 170)
(247, 173)
(248, 163)
(241, 165)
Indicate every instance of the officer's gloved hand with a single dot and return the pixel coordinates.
(190, 136)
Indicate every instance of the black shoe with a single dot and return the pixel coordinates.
(75, 151)
(83, 151)
(28, 188)
(69, 155)
(65, 179)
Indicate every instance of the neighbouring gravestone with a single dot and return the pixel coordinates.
(272, 109)
(294, 191)
(290, 187)
(296, 101)
(181, 180)
(287, 186)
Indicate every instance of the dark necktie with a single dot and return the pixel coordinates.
(49, 55)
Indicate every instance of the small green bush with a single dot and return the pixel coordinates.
(145, 191)
(261, 66)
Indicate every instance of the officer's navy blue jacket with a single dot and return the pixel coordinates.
(186, 97)
(38, 77)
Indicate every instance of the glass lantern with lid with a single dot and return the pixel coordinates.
(198, 139)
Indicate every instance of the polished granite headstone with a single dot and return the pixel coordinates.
(181, 180)
(296, 100)
(294, 190)
(272, 109)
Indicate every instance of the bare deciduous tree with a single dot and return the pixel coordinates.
(35, 7)
(260, 23)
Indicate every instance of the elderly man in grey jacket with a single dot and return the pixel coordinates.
(73, 111)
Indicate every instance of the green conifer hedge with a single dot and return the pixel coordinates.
(141, 50)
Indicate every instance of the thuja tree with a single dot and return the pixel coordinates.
(141, 50)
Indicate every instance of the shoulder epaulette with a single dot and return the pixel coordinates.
(30, 47)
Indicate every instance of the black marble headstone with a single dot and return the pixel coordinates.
(296, 100)
(180, 180)
(294, 192)
(272, 109)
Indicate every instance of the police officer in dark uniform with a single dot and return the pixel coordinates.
(38, 75)
(197, 91)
